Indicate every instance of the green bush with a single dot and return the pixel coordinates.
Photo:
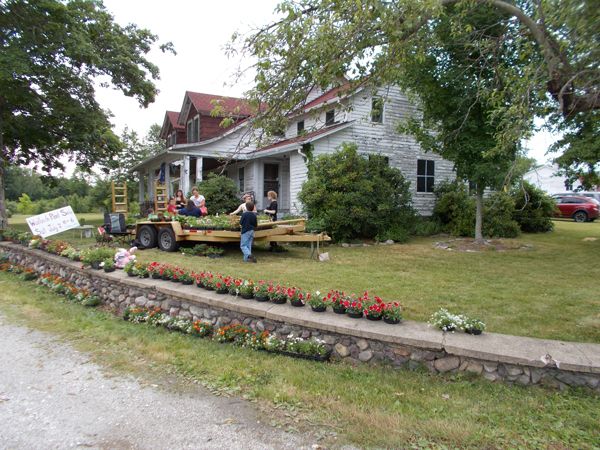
(221, 194)
(12, 207)
(8, 213)
(349, 195)
(534, 210)
(455, 210)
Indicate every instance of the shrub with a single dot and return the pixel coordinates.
(498, 216)
(349, 195)
(534, 210)
(220, 192)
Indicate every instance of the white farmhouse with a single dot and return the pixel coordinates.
(195, 145)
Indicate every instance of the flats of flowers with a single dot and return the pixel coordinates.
(232, 333)
(201, 328)
(446, 321)
(29, 274)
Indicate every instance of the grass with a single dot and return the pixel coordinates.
(336, 402)
(548, 291)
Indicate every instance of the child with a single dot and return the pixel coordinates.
(172, 208)
(248, 222)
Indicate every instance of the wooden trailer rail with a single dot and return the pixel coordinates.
(169, 235)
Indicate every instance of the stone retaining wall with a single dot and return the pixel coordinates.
(410, 344)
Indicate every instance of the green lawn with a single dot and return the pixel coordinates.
(337, 402)
(547, 291)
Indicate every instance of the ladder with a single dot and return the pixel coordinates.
(119, 197)
(160, 197)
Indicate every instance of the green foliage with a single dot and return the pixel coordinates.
(350, 195)
(534, 210)
(455, 210)
(220, 192)
(24, 205)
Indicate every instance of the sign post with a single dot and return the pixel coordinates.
(53, 222)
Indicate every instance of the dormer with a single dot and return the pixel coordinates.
(171, 131)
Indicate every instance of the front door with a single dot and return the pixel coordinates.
(271, 181)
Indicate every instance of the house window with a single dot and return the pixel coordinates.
(329, 118)
(425, 175)
(196, 123)
(376, 110)
(300, 127)
(189, 132)
(384, 159)
(279, 133)
(241, 178)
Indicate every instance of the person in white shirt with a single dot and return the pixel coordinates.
(242, 207)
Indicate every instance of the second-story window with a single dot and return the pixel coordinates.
(196, 129)
(300, 127)
(376, 110)
(329, 118)
(189, 132)
(241, 178)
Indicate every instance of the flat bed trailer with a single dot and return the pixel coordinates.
(168, 236)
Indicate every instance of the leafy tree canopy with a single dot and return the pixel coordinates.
(52, 51)
(319, 42)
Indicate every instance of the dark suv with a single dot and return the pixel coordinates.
(581, 209)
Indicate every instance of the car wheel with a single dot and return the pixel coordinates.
(148, 236)
(580, 216)
(166, 240)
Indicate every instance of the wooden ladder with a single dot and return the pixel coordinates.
(119, 197)
(160, 197)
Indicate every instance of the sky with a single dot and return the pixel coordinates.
(199, 31)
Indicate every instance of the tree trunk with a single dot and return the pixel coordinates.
(3, 161)
(479, 216)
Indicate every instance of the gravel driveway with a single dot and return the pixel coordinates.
(53, 397)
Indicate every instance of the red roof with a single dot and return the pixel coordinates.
(173, 116)
(301, 139)
(202, 103)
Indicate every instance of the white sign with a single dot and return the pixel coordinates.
(53, 222)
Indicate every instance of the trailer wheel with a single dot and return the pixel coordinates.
(166, 240)
(148, 236)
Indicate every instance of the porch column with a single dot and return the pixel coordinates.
(167, 182)
(184, 175)
(199, 162)
(151, 176)
(141, 187)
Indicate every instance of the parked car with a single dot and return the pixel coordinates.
(588, 194)
(581, 209)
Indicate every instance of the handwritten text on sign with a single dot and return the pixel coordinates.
(53, 222)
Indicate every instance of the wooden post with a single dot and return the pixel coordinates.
(184, 175)
(141, 188)
(199, 161)
(151, 177)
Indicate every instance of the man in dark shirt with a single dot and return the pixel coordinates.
(248, 222)
(271, 210)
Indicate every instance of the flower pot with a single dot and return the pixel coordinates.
(449, 329)
(339, 310)
(131, 274)
(175, 280)
(222, 291)
(279, 301)
(391, 321)
(355, 315)
(95, 265)
(145, 275)
(247, 296)
(200, 285)
(232, 293)
(297, 304)
(187, 283)
(111, 269)
(209, 288)
(319, 308)
(373, 317)
(262, 298)
(155, 276)
(165, 278)
(475, 332)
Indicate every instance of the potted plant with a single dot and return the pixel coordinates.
(94, 256)
(247, 289)
(354, 307)
(336, 299)
(167, 271)
(278, 294)
(296, 296)
(473, 326)
(317, 302)
(372, 307)
(445, 320)
(186, 276)
(392, 312)
(154, 270)
(108, 265)
(261, 290)
(129, 267)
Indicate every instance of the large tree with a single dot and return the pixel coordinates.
(318, 42)
(51, 54)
